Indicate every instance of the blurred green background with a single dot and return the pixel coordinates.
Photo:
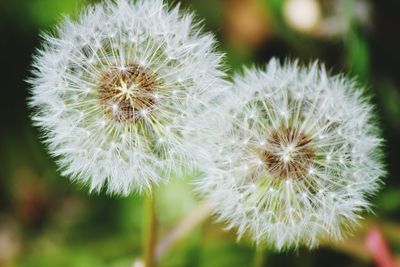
(47, 221)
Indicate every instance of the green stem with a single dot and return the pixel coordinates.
(150, 230)
(194, 218)
(259, 259)
(156, 249)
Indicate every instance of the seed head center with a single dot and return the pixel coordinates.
(288, 153)
(127, 93)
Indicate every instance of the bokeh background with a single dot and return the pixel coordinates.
(47, 221)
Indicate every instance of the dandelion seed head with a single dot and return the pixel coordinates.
(311, 132)
(111, 90)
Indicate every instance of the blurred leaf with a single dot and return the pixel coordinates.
(357, 56)
(47, 12)
(390, 103)
(389, 201)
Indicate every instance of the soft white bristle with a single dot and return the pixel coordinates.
(292, 155)
(108, 87)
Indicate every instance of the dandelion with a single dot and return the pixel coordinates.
(295, 155)
(110, 92)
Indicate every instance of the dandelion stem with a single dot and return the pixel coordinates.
(259, 259)
(150, 230)
(195, 217)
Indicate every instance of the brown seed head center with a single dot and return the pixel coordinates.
(288, 153)
(127, 93)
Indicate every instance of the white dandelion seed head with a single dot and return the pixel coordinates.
(298, 155)
(110, 92)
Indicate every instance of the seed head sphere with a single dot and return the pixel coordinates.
(110, 92)
(296, 155)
